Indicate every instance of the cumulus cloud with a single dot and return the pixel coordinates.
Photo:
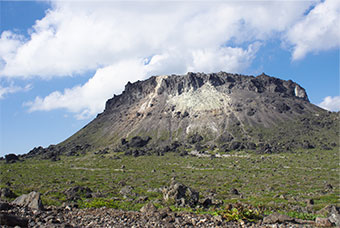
(89, 99)
(318, 31)
(331, 103)
(127, 41)
(75, 37)
(4, 90)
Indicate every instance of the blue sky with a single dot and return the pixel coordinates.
(60, 61)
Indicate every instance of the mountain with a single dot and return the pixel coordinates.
(205, 111)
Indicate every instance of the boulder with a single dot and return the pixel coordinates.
(4, 206)
(180, 194)
(31, 200)
(11, 158)
(13, 220)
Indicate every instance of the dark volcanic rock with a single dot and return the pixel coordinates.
(53, 152)
(195, 138)
(138, 141)
(13, 220)
(11, 158)
(5, 206)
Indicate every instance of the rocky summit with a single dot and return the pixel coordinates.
(198, 110)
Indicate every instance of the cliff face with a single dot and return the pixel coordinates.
(215, 106)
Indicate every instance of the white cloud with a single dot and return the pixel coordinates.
(9, 43)
(331, 103)
(88, 99)
(116, 38)
(75, 37)
(318, 31)
(4, 90)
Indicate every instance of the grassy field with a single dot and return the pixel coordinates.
(275, 182)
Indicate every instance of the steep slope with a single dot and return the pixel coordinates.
(219, 109)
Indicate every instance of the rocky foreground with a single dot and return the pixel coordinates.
(28, 211)
(18, 216)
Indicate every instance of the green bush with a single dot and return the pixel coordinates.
(240, 212)
(98, 203)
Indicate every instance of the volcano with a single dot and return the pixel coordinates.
(215, 110)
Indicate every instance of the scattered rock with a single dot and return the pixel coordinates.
(251, 112)
(234, 191)
(207, 203)
(310, 202)
(180, 194)
(126, 191)
(31, 200)
(6, 192)
(329, 187)
(148, 208)
(322, 222)
(148, 216)
(307, 145)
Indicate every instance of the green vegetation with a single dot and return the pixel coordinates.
(281, 182)
(240, 212)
